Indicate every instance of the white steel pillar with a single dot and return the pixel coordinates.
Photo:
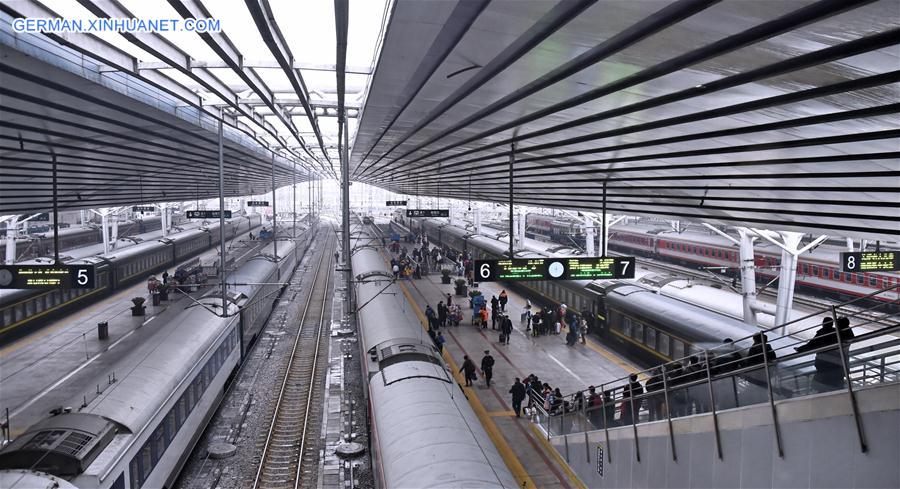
(521, 229)
(849, 244)
(589, 236)
(11, 240)
(114, 239)
(477, 219)
(104, 223)
(748, 276)
(787, 276)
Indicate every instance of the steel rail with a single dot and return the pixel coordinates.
(323, 265)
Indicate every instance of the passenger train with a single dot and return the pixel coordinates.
(423, 430)
(41, 243)
(648, 327)
(139, 432)
(22, 311)
(818, 271)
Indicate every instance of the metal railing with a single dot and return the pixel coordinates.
(749, 371)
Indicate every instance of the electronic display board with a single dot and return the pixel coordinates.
(427, 212)
(573, 268)
(143, 208)
(870, 261)
(258, 203)
(47, 277)
(42, 217)
(207, 214)
(395, 203)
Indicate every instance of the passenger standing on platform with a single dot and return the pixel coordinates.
(518, 395)
(484, 317)
(449, 299)
(495, 316)
(583, 330)
(337, 254)
(534, 390)
(469, 368)
(439, 341)
(594, 410)
(487, 367)
(165, 277)
(630, 405)
(829, 371)
(495, 304)
(655, 403)
(503, 300)
(442, 314)
(429, 313)
(507, 329)
(396, 270)
(759, 354)
(609, 411)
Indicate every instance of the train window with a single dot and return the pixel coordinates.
(872, 280)
(157, 445)
(677, 349)
(638, 332)
(650, 337)
(134, 472)
(663, 344)
(860, 279)
(815, 270)
(626, 326)
(805, 268)
(146, 465)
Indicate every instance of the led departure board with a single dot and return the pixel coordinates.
(574, 268)
(427, 213)
(395, 203)
(870, 261)
(43, 217)
(207, 214)
(258, 203)
(47, 277)
(143, 208)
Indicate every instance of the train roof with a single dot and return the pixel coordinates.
(418, 425)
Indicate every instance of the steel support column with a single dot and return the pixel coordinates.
(222, 218)
(748, 276)
(589, 236)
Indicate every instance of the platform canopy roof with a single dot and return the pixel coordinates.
(133, 117)
(779, 115)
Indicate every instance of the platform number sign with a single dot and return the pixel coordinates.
(573, 268)
(600, 460)
(48, 277)
(870, 261)
(258, 203)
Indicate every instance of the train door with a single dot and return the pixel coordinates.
(597, 323)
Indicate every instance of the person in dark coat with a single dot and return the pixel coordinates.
(507, 329)
(518, 395)
(442, 314)
(487, 367)
(630, 405)
(829, 369)
(468, 368)
(657, 402)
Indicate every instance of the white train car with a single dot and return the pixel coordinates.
(424, 432)
(139, 432)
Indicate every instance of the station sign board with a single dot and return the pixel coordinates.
(427, 212)
(143, 208)
(42, 217)
(258, 203)
(574, 268)
(870, 261)
(395, 203)
(207, 214)
(47, 277)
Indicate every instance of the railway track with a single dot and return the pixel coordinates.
(289, 447)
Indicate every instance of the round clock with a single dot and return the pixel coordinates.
(6, 277)
(556, 269)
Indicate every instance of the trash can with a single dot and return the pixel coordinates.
(156, 299)
(103, 330)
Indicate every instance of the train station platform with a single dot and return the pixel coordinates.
(66, 364)
(521, 443)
